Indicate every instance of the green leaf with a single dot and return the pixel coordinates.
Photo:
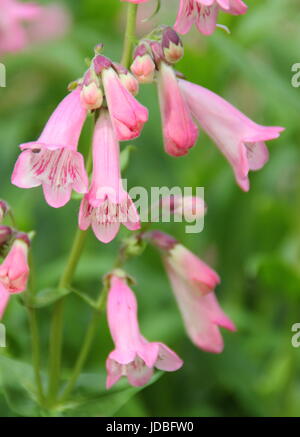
(48, 297)
(16, 379)
(91, 401)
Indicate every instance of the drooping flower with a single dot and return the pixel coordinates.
(179, 130)
(240, 139)
(133, 356)
(193, 283)
(14, 271)
(53, 160)
(107, 204)
(127, 114)
(204, 14)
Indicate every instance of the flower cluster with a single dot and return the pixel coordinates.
(108, 91)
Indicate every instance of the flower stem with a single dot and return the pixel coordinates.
(129, 34)
(36, 358)
(57, 320)
(86, 346)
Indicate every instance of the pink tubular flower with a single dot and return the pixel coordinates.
(241, 140)
(127, 114)
(179, 131)
(14, 271)
(204, 14)
(133, 356)
(193, 283)
(107, 204)
(53, 161)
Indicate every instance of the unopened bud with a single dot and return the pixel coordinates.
(23, 237)
(160, 239)
(143, 66)
(5, 234)
(4, 208)
(130, 83)
(172, 46)
(91, 96)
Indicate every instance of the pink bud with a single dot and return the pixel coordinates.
(130, 83)
(143, 66)
(172, 46)
(14, 272)
(91, 96)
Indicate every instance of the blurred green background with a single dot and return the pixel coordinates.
(252, 239)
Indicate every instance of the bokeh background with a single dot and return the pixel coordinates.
(252, 239)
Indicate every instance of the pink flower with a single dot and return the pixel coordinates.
(133, 356)
(193, 283)
(12, 30)
(24, 23)
(179, 131)
(241, 140)
(107, 204)
(14, 271)
(127, 114)
(53, 161)
(204, 14)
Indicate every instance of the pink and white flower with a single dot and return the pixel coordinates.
(193, 283)
(107, 204)
(14, 271)
(53, 160)
(240, 139)
(133, 356)
(204, 14)
(179, 130)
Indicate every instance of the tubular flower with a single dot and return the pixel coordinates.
(128, 116)
(193, 283)
(133, 356)
(53, 161)
(107, 204)
(204, 14)
(14, 271)
(179, 130)
(241, 140)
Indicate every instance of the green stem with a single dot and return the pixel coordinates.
(86, 346)
(36, 358)
(129, 34)
(57, 320)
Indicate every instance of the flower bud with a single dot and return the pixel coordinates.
(130, 83)
(161, 240)
(172, 46)
(91, 96)
(4, 208)
(143, 66)
(5, 234)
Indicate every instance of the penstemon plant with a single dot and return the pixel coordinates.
(107, 92)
